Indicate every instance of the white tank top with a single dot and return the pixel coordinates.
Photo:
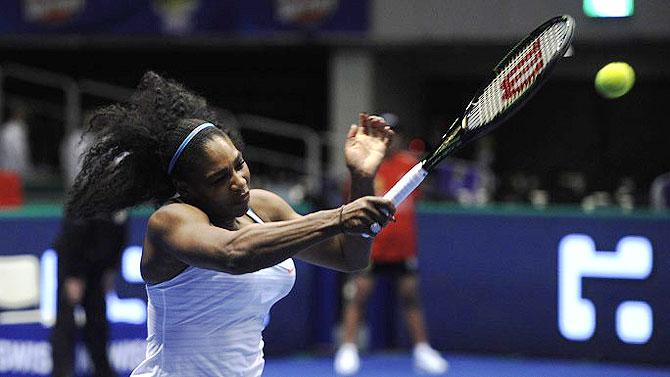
(209, 323)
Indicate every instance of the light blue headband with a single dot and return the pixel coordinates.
(185, 143)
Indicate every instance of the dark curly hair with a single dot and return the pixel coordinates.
(133, 143)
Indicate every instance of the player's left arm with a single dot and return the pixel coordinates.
(364, 151)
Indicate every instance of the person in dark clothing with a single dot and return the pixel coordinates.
(88, 258)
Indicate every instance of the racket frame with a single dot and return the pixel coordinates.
(540, 79)
(458, 133)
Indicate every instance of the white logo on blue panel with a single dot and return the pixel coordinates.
(577, 259)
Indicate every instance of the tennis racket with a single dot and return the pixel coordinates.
(514, 80)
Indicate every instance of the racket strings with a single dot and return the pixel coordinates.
(518, 75)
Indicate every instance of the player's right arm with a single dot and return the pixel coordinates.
(185, 233)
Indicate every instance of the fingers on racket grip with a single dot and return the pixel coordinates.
(401, 190)
(374, 229)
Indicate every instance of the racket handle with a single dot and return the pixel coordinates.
(410, 181)
(401, 190)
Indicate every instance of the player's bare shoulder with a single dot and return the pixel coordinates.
(171, 215)
(270, 206)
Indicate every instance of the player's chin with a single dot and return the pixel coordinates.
(240, 208)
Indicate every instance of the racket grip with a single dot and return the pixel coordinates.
(401, 190)
(410, 181)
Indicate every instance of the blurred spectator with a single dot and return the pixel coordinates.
(660, 192)
(393, 256)
(516, 187)
(467, 182)
(625, 194)
(72, 149)
(14, 147)
(485, 152)
(88, 258)
(570, 187)
(595, 200)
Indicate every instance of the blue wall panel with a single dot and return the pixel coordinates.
(489, 283)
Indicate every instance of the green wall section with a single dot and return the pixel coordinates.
(50, 210)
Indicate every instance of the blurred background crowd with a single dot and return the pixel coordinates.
(284, 71)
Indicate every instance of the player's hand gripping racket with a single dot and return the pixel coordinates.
(514, 80)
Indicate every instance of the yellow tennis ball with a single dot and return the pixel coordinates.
(615, 79)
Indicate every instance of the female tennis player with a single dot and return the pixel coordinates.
(217, 255)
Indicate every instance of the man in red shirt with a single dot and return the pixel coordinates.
(394, 256)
